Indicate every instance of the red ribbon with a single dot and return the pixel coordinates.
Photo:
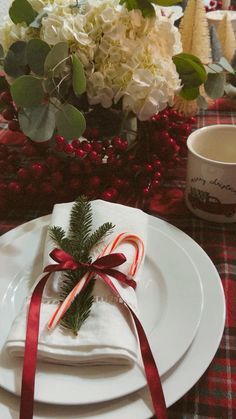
(103, 266)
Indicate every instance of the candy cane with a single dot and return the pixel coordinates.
(121, 238)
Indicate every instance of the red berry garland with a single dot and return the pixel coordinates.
(110, 168)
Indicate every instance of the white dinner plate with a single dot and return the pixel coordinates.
(180, 378)
(170, 300)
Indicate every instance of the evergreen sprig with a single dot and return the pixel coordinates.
(78, 243)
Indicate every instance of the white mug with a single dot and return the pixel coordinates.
(211, 173)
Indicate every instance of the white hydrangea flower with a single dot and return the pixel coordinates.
(10, 33)
(133, 58)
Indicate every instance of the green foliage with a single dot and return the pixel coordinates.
(1, 51)
(189, 93)
(79, 243)
(226, 65)
(56, 58)
(190, 69)
(38, 122)
(146, 5)
(78, 76)
(22, 11)
(70, 122)
(36, 52)
(21, 87)
(215, 85)
(15, 62)
(4, 86)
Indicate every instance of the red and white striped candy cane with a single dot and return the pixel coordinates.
(121, 238)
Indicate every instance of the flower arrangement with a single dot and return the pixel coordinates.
(75, 55)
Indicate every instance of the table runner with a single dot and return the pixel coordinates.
(214, 395)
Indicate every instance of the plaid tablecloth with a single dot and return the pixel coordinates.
(214, 396)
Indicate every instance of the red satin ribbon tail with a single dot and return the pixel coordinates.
(30, 355)
(152, 374)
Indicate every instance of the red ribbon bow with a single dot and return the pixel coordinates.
(103, 266)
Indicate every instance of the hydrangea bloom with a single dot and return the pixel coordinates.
(127, 58)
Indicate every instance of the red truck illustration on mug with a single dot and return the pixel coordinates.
(204, 201)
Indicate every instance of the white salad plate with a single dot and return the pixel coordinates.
(178, 380)
(170, 299)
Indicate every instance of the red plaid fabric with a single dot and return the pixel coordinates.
(214, 396)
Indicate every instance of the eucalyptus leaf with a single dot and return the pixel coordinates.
(202, 103)
(226, 65)
(214, 68)
(189, 93)
(190, 69)
(78, 76)
(165, 3)
(144, 5)
(38, 122)
(230, 90)
(15, 62)
(56, 55)
(22, 11)
(215, 85)
(1, 51)
(70, 122)
(27, 91)
(37, 51)
(3, 84)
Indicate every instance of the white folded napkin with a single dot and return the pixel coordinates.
(108, 335)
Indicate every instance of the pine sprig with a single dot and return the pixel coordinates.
(78, 243)
(80, 225)
(97, 236)
(79, 310)
(57, 234)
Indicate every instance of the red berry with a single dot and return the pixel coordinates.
(8, 113)
(155, 184)
(52, 162)
(146, 192)
(46, 188)
(135, 168)
(97, 146)
(118, 183)
(74, 167)
(28, 150)
(69, 149)
(76, 143)
(116, 142)
(148, 168)
(79, 153)
(5, 97)
(59, 139)
(56, 178)
(13, 125)
(23, 173)
(31, 189)
(86, 146)
(109, 194)
(14, 187)
(74, 183)
(157, 175)
(93, 156)
(38, 169)
(95, 181)
(157, 164)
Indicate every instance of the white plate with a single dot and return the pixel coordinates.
(170, 300)
(178, 380)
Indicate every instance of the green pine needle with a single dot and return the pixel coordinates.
(78, 244)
